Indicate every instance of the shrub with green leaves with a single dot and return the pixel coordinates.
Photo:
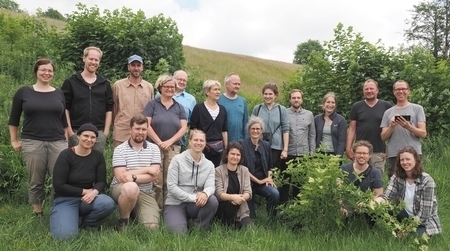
(325, 190)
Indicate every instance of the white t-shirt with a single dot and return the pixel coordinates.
(410, 191)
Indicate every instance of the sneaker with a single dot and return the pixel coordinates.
(122, 224)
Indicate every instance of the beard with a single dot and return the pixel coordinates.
(138, 139)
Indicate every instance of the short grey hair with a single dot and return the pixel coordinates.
(255, 120)
(209, 84)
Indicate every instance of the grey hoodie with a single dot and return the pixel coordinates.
(185, 176)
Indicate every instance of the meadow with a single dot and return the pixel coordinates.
(19, 231)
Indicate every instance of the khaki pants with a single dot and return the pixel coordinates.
(160, 185)
(40, 158)
(378, 160)
(146, 210)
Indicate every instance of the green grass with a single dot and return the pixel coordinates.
(19, 231)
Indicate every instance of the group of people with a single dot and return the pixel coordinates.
(212, 172)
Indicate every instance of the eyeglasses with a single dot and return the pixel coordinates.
(401, 89)
(361, 153)
(255, 129)
(168, 87)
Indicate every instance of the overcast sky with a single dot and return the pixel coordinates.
(269, 29)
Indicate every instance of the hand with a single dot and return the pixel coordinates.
(344, 211)
(283, 154)
(165, 145)
(201, 199)
(350, 154)
(71, 133)
(380, 200)
(126, 178)
(237, 199)
(90, 197)
(403, 122)
(269, 182)
(106, 133)
(393, 122)
(153, 170)
(17, 145)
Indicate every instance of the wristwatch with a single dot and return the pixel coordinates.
(134, 177)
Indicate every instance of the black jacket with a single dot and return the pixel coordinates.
(249, 155)
(87, 103)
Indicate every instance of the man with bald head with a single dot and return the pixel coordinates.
(185, 99)
(236, 106)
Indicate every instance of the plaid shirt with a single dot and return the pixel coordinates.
(425, 204)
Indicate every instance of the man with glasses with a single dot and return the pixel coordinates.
(130, 96)
(403, 125)
(365, 120)
(363, 175)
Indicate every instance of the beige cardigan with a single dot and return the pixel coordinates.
(245, 187)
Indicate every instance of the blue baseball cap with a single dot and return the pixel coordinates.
(135, 58)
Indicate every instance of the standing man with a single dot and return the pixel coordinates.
(403, 125)
(136, 165)
(88, 99)
(185, 99)
(130, 95)
(365, 118)
(236, 106)
(302, 137)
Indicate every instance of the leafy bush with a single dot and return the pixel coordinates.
(325, 191)
(120, 34)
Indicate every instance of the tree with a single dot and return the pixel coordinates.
(304, 50)
(120, 34)
(50, 13)
(430, 27)
(348, 61)
(9, 5)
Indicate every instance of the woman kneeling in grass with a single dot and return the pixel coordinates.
(410, 184)
(79, 177)
(233, 188)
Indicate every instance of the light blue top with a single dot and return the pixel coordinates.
(237, 117)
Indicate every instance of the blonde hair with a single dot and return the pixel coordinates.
(329, 95)
(162, 80)
(86, 51)
(209, 84)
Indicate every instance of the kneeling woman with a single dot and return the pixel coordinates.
(233, 188)
(410, 184)
(190, 185)
(79, 177)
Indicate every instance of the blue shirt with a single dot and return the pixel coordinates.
(237, 117)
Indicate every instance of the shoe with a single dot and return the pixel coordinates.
(122, 224)
(38, 216)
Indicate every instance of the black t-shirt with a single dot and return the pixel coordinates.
(44, 114)
(368, 121)
(259, 171)
(233, 182)
(371, 181)
(73, 173)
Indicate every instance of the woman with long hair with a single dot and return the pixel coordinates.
(331, 128)
(417, 189)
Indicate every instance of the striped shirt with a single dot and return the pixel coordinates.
(126, 156)
(425, 204)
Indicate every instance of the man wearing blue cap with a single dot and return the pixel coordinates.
(130, 96)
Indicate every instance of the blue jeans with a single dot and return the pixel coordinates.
(65, 212)
(272, 196)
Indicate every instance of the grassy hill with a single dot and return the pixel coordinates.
(210, 64)
(254, 72)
